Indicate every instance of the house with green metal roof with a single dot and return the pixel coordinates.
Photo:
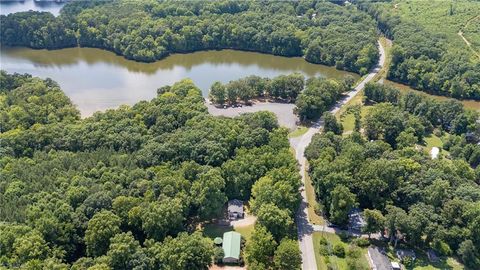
(231, 247)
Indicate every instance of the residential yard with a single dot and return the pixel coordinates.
(422, 262)
(348, 119)
(216, 230)
(334, 261)
(245, 231)
(312, 202)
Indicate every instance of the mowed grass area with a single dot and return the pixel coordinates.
(215, 230)
(431, 141)
(334, 261)
(312, 202)
(245, 231)
(299, 131)
(422, 263)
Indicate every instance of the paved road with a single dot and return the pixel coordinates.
(305, 229)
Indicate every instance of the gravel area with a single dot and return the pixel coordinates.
(283, 111)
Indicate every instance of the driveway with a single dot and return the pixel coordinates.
(378, 260)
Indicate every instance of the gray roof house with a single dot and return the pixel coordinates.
(235, 209)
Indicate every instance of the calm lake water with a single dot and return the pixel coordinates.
(96, 79)
(7, 7)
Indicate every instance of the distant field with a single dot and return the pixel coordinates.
(446, 18)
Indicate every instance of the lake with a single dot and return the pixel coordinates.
(96, 79)
(7, 7)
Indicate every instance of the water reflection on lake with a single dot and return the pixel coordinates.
(7, 7)
(97, 79)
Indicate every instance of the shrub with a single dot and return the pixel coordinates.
(323, 241)
(339, 251)
(318, 209)
(218, 255)
(361, 242)
(354, 251)
(324, 250)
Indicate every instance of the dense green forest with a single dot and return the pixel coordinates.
(421, 201)
(150, 30)
(428, 52)
(127, 188)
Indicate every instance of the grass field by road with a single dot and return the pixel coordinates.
(312, 202)
(299, 131)
(334, 261)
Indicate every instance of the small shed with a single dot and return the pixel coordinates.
(218, 241)
(235, 209)
(356, 220)
(231, 247)
(396, 266)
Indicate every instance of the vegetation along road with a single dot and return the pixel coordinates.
(305, 228)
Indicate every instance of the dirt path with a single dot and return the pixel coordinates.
(247, 221)
(305, 228)
(469, 44)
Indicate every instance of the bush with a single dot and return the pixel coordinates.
(318, 209)
(339, 251)
(344, 236)
(354, 251)
(442, 248)
(323, 241)
(218, 255)
(361, 242)
(356, 264)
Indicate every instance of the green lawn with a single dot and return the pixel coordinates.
(422, 263)
(215, 230)
(312, 202)
(245, 231)
(298, 132)
(336, 262)
(433, 141)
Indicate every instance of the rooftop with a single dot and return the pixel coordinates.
(231, 245)
(235, 206)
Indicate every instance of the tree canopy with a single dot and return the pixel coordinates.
(126, 188)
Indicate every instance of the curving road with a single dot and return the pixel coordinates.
(305, 229)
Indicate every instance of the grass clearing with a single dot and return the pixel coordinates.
(215, 230)
(312, 202)
(245, 231)
(433, 141)
(334, 261)
(299, 131)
